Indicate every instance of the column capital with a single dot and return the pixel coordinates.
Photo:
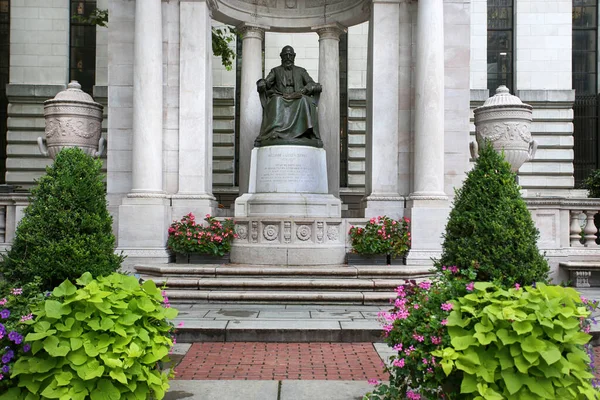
(251, 31)
(330, 31)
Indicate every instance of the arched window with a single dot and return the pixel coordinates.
(82, 60)
(500, 43)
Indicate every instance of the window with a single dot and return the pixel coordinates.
(500, 44)
(4, 68)
(343, 48)
(585, 82)
(82, 59)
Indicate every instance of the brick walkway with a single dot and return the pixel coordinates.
(280, 361)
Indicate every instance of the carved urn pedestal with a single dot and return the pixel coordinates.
(288, 217)
(73, 119)
(505, 121)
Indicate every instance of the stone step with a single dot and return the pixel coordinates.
(243, 270)
(279, 297)
(323, 284)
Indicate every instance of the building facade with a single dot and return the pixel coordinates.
(400, 77)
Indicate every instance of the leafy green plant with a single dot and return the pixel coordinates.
(490, 227)
(67, 229)
(97, 17)
(101, 340)
(15, 311)
(221, 42)
(381, 235)
(520, 343)
(187, 236)
(592, 184)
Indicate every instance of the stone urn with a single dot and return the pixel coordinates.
(505, 121)
(73, 119)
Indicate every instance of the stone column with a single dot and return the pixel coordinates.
(382, 111)
(429, 102)
(428, 202)
(250, 108)
(147, 152)
(195, 111)
(144, 213)
(329, 102)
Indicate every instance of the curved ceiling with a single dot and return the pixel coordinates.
(291, 15)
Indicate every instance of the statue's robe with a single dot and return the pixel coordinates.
(288, 116)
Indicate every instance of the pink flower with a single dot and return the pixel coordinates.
(447, 306)
(397, 347)
(180, 325)
(418, 338)
(413, 395)
(398, 363)
(424, 361)
(584, 300)
(436, 340)
(373, 382)
(454, 269)
(403, 314)
(425, 285)
(444, 322)
(470, 287)
(416, 306)
(26, 317)
(17, 291)
(517, 286)
(3, 302)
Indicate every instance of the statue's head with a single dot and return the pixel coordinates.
(288, 55)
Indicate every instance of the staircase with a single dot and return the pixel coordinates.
(240, 283)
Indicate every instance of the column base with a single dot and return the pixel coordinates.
(143, 225)
(376, 205)
(199, 205)
(428, 223)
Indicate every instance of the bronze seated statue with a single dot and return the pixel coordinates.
(289, 98)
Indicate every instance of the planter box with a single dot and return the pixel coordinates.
(196, 258)
(374, 259)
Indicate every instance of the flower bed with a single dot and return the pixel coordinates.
(381, 235)
(189, 237)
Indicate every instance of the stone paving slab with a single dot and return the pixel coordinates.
(310, 390)
(284, 314)
(222, 390)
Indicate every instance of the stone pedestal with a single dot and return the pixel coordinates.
(288, 217)
(288, 181)
(428, 223)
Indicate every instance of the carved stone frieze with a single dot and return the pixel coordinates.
(333, 233)
(242, 231)
(254, 233)
(271, 232)
(303, 232)
(287, 231)
(320, 232)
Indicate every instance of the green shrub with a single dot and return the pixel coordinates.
(592, 184)
(490, 227)
(103, 340)
(519, 344)
(66, 229)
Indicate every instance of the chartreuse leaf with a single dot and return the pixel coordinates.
(513, 380)
(468, 384)
(64, 289)
(106, 391)
(56, 347)
(63, 378)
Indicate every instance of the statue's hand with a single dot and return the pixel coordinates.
(261, 85)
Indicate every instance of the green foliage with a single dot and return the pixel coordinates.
(519, 344)
(66, 229)
(592, 184)
(186, 236)
(95, 17)
(221, 40)
(381, 235)
(101, 340)
(490, 227)
(15, 311)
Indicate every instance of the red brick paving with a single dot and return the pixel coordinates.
(280, 361)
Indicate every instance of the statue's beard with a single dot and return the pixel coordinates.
(288, 64)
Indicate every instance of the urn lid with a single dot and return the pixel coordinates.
(503, 98)
(73, 92)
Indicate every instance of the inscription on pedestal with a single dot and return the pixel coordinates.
(291, 169)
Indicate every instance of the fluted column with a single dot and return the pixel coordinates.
(429, 102)
(250, 107)
(329, 102)
(382, 111)
(147, 152)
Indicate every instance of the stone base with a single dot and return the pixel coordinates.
(143, 229)
(289, 241)
(428, 223)
(199, 205)
(285, 205)
(391, 206)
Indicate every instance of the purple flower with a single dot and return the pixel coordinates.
(5, 313)
(6, 369)
(15, 337)
(7, 357)
(26, 347)
(2, 330)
